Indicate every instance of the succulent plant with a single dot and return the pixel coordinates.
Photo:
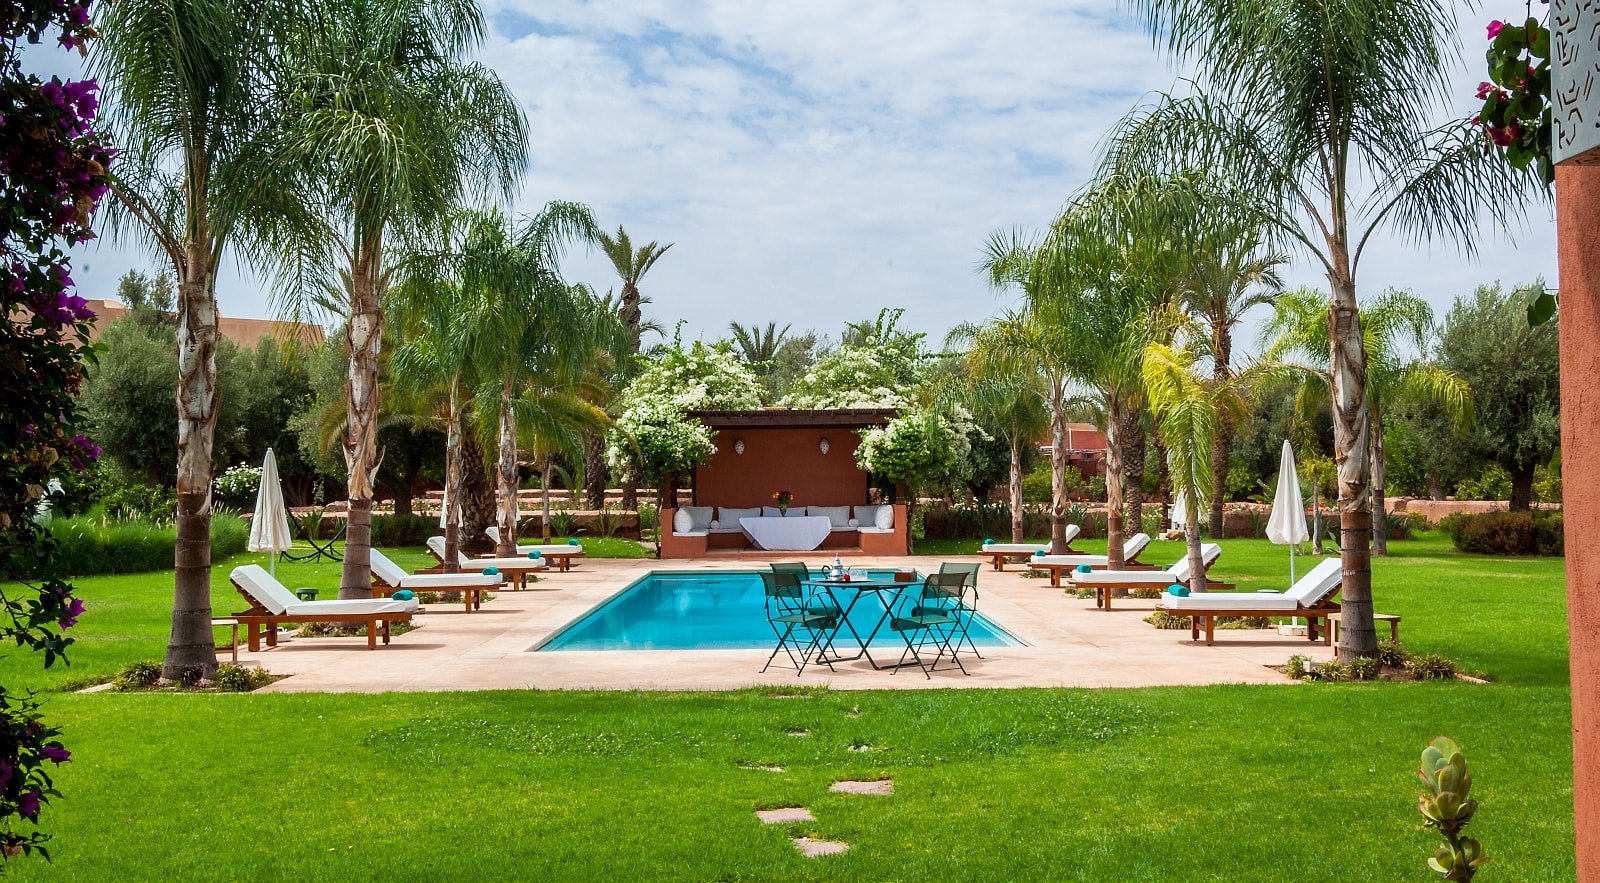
(1445, 805)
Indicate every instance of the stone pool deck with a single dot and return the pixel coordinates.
(1070, 644)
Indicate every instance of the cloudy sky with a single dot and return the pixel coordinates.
(813, 162)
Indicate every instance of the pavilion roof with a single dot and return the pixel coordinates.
(796, 417)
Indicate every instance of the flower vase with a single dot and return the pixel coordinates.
(783, 510)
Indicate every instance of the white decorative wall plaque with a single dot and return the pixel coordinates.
(1575, 79)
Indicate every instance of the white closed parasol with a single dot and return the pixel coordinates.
(269, 529)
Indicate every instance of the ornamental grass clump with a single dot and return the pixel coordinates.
(1445, 806)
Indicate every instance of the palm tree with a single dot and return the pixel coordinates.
(1009, 402)
(1229, 275)
(1393, 325)
(631, 264)
(393, 126)
(1294, 96)
(759, 346)
(188, 84)
(1028, 342)
(1189, 410)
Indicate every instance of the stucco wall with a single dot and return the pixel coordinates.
(782, 459)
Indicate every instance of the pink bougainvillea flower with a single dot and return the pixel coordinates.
(28, 804)
(1494, 28)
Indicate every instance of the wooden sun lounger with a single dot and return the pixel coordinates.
(258, 616)
(1310, 614)
(1105, 586)
(1056, 570)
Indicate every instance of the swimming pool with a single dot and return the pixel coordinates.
(711, 611)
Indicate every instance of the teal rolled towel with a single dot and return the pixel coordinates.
(988, 541)
(1084, 568)
(535, 555)
(1178, 589)
(573, 543)
(1038, 553)
(404, 595)
(491, 571)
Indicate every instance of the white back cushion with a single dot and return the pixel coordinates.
(682, 522)
(699, 517)
(1135, 545)
(729, 517)
(493, 533)
(838, 516)
(867, 516)
(436, 546)
(885, 517)
(1317, 584)
(387, 570)
(266, 590)
(1208, 556)
(770, 512)
(1072, 531)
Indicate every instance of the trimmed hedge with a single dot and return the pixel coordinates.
(1507, 533)
(91, 545)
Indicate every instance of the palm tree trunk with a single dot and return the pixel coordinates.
(1352, 440)
(632, 316)
(1114, 482)
(477, 496)
(452, 479)
(544, 498)
(1191, 535)
(595, 474)
(1133, 467)
(1221, 371)
(1016, 487)
(1058, 469)
(364, 340)
(1164, 486)
(1380, 506)
(190, 644)
(507, 546)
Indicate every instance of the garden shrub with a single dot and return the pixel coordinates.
(1494, 483)
(396, 531)
(138, 675)
(232, 678)
(1365, 668)
(1432, 667)
(1400, 526)
(1507, 533)
(1298, 667)
(1391, 654)
(1332, 670)
(91, 545)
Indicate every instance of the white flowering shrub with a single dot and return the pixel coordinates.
(653, 439)
(912, 449)
(237, 487)
(857, 377)
(701, 378)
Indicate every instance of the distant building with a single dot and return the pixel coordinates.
(243, 332)
(1086, 448)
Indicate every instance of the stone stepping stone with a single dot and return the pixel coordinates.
(799, 734)
(812, 848)
(853, 786)
(785, 815)
(761, 769)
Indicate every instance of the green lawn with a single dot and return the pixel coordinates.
(1314, 782)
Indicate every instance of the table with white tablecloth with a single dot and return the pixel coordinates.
(799, 533)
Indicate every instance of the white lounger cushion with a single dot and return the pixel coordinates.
(1209, 553)
(1070, 560)
(272, 595)
(396, 576)
(1013, 548)
(1135, 545)
(556, 549)
(493, 533)
(1153, 577)
(520, 562)
(1310, 590)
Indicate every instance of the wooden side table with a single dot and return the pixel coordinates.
(1392, 619)
(233, 642)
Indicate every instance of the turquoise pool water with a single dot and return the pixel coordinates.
(714, 611)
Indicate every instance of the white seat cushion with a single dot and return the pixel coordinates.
(436, 581)
(838, 516)
(476, 565)
(1222, 602)
(556, 549)
(1070, 560)
(1103, 577)
(353, 606)
(1012, 548)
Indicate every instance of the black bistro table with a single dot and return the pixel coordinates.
(858, 584)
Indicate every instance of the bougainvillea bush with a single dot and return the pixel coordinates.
(54, 174)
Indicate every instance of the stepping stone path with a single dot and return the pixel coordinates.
(762, 769)
(785, 815)
(852, 786)
(813, 848)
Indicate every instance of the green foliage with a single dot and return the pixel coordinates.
(876, 366)
(238, 486)
(232, 678)
(909, 450)
(95, 544)
(1494, 483)
(1299, 666)
(123, 499)
(1364, 668)
(653, 440)
(564, 524)
(139, 675)
(1400, 525)
(399, 531)
(1391, 654)
(142, 292)
(1515, 115)
(1431, 667)
(1446, 806)
(1507, 533)
(1547, 481)
(1332, 670)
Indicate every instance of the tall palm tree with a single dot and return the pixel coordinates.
(188, 84)
(1229, 275)
(631, 264)
(1028, 341)
(1394, 325)
(759, 346)
(1189, 411)
(1009, 402)
(1295, 97)
(394, 126)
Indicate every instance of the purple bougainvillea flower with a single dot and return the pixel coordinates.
(6, 770)
(1494, 28)
(70, 618)
(55, 754)
(28, 804)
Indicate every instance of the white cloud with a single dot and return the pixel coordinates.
(815, 161)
